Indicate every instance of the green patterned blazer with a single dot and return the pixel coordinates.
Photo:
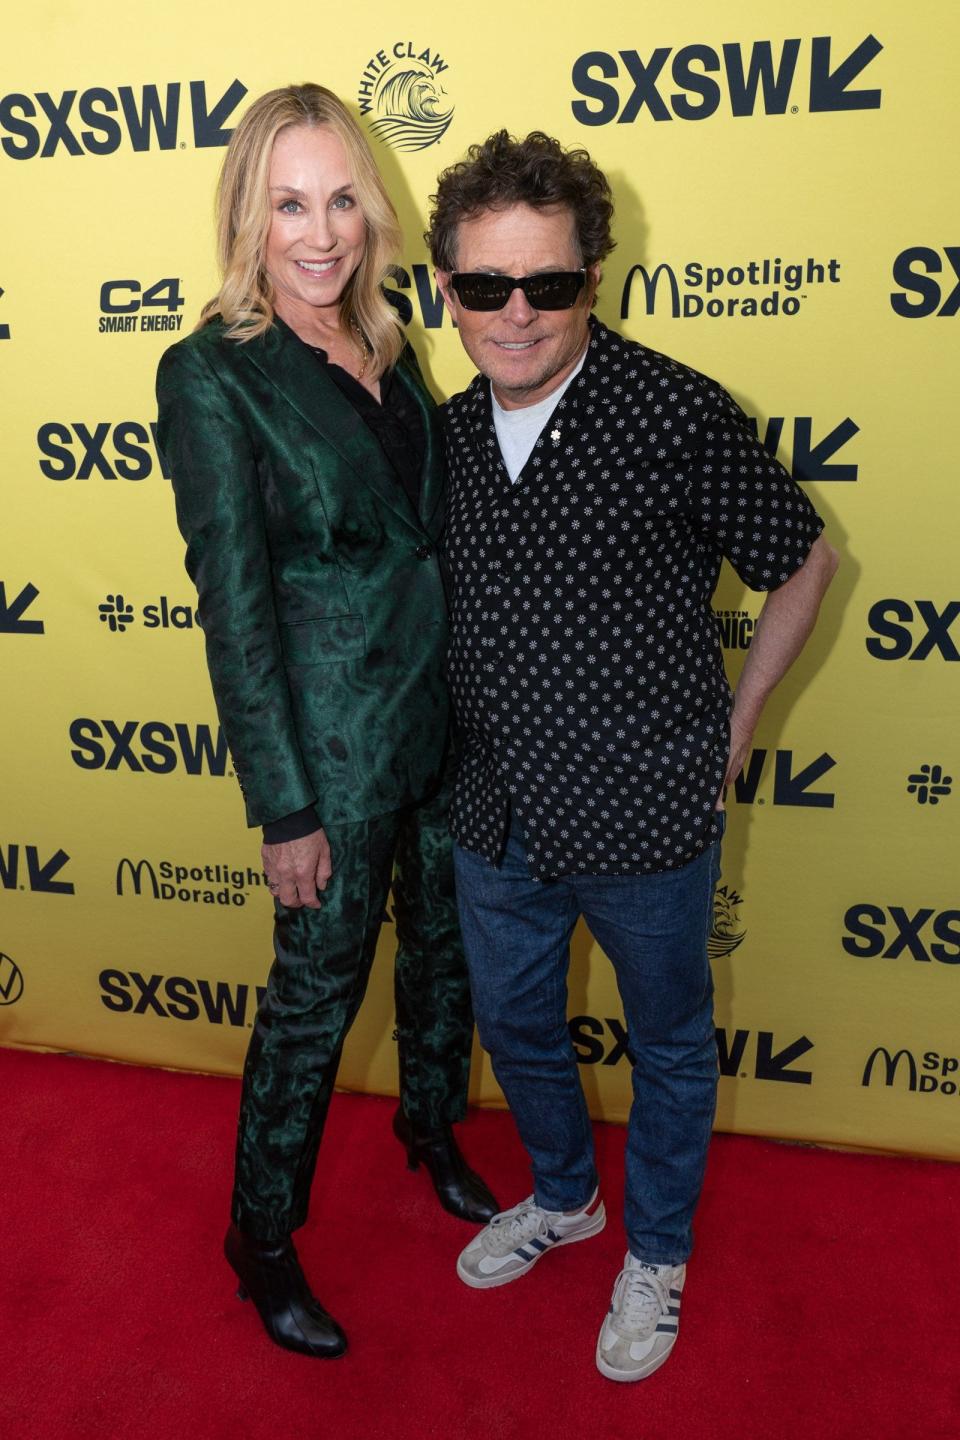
(320, 590)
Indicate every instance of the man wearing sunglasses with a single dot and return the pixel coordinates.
(595, 487)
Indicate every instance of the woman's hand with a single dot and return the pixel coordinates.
(297, 869)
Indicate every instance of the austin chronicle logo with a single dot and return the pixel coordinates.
(928, 784)
(401, 91)
(11, 981)
(726, 933)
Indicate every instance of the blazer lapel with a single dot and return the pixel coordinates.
(284, 360)
(432, 471)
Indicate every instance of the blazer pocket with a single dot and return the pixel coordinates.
(319, 642)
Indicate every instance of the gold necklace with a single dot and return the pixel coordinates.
(364, 348)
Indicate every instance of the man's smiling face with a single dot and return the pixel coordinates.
(526, 353)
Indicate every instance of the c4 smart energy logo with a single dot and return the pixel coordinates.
(100, 449)
(695, 82)
(932, 1076)
(98, 121)
(404, 98)
(127, 306)
(751, 289)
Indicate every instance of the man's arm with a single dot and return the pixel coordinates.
(785, 622)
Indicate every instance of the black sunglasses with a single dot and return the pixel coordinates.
(554, 290)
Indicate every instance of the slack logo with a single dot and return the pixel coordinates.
(891, 931)
(892, 620)
(150, 745)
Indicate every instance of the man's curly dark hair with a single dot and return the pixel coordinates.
(535, 171)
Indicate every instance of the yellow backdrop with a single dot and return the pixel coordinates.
(786, 222)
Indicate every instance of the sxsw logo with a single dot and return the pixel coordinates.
(905, 634)
(922, 293)
(926, 934)
(125, 450)
(769, 1060)
(792, 782)
(606, 1042)
(33, 874)
(429, 300)
(812, 459)
(175, 997)
(13, 611)
(150, 745)
(931, 1076)
(96, 120)
(754, 79)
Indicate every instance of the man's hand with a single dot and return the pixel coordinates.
(785, 623)
(740, 737)
(297, 869)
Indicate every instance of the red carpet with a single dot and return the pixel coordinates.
(822, 1300)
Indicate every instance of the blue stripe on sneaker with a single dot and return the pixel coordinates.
(667, 1328)
(525, 1254)
(538, 1243)
(552, 1236)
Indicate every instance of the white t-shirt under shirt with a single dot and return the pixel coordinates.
(519, 430)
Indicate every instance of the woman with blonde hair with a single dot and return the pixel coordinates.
(307, 469)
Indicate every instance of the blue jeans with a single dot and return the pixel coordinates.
(654, 928)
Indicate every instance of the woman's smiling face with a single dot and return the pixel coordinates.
(317, 232)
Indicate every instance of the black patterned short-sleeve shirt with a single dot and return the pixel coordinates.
(585, 665)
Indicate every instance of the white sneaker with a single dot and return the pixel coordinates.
(641, 1327)
(513, 1241)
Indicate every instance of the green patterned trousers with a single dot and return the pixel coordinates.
(314, 990)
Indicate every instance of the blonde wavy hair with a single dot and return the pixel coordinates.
(245, 299)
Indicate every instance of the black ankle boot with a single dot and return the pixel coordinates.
(270, 1275)
(459, 1189)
